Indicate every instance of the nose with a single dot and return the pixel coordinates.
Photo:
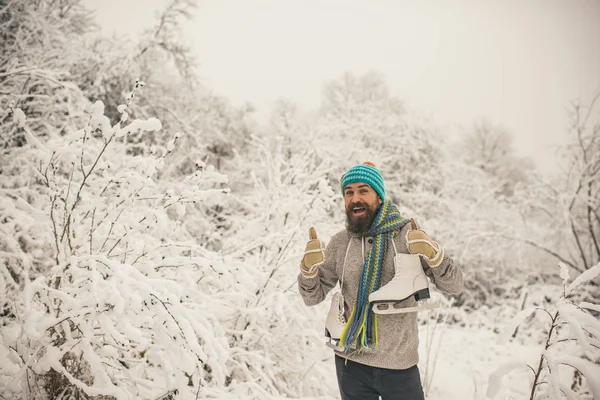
(356, 198)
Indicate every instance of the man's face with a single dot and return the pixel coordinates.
(362, 204)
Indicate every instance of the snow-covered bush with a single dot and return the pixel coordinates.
(276, 341)
(41, 43)
(568, 366)
(124, 303)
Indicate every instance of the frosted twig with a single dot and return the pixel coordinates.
(68, 192)
(55, 229)
(17, 71)
(92, 231)
(105, 187)
(282, 251)
(578, 242)
(167, 266)
(540, 247)
(17, 353)
(83, 145)
(112, 224)
(539, 368)
(125, 253)
(140, 256)
(168, 311)
(87, 174)
(115, 245)
(574, 340)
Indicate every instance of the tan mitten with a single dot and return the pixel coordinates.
(419, 242)
(314, 254)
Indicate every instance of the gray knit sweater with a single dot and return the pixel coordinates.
(398, 333)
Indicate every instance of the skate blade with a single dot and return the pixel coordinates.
(334, 346)
(395, 308)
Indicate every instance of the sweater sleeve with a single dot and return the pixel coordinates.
(314, 290)
(447, 277)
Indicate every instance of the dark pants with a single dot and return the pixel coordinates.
(357, 381)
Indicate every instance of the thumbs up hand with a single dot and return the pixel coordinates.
(419, 242)
(314, 254)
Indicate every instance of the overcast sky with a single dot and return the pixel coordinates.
(518, 63)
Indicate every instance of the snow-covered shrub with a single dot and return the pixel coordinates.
(276, 341)
(40, 43)
(126, 303)
(568, 366)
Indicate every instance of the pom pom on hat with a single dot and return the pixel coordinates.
(367, 173)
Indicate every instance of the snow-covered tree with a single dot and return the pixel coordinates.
(113, 309)
(490, 148)
(572, 345)
(40, 47)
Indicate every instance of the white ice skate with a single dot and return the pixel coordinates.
(409, 280)
(335, 322)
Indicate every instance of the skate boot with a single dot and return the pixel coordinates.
(409, 280)
(335, 322)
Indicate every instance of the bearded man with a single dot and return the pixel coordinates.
(378, 353)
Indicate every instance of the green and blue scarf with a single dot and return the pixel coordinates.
(361, 329)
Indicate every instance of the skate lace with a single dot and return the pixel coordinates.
(341, 317)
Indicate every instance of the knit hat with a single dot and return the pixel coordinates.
(366, 173)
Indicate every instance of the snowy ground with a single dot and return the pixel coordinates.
(464, 359)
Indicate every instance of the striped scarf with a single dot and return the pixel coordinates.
(361, 329)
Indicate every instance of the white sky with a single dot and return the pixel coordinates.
(516, 62)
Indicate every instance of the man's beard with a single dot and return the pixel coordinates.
(360, 225)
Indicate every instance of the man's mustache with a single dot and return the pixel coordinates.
(351, 206)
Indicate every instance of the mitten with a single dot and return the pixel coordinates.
(420, 243)
(314, 254)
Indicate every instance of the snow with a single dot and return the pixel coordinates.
(139, 125)
(587, 275)
(514, 323)
(564, 271)
(589, 369)
(19, 117)
(579, 323)
(468, 358)
(589, 306)
(97, 109)
(10, 334)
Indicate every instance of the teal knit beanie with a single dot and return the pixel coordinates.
(366, 173)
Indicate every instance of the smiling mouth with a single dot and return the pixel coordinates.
(359, 211)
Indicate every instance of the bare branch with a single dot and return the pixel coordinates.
(591, 107)
(115, 245)
(83, 182)
(92, 231)
(112, 224)
(539, 368)
(54, 228)
(574, 340)
(531, 368)
(590, 224)
(68, 191)
(579, 246)
(544, 249)
(168, 311)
